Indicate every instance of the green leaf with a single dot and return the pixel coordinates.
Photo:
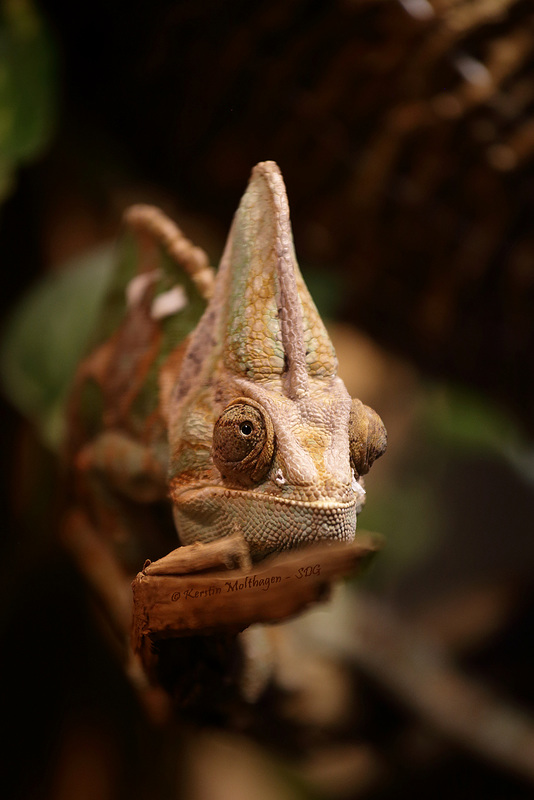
(47, 336)
(460, 418)
(27, 87)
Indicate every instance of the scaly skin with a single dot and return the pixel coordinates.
(245, 424)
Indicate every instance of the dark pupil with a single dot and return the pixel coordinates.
(246, 428)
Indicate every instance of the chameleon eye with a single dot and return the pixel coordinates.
(243, 442)
(367, 437)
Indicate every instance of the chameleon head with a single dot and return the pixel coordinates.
(264, 437)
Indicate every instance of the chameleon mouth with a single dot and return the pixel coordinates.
(272, 523)
(320, 503)
(342, 500)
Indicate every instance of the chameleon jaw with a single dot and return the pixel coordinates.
(277, 523)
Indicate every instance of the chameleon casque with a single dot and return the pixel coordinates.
(242, 424)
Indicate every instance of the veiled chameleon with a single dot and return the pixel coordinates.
(242, 425)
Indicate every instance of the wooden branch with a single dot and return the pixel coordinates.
(101, 569)
(229, 553)
(171, 605)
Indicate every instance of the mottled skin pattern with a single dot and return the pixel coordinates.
(251, 430)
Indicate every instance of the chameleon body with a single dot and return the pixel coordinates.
(242, 424)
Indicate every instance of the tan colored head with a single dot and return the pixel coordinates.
(264, 436)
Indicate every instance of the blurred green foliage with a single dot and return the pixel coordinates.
(68, 313)
(458, 417)
(27, 87)
(47, 335)
(411, 506)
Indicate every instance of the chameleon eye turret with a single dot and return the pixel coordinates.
(243, 443)
(367, 437)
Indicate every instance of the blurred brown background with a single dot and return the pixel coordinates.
(405, 134)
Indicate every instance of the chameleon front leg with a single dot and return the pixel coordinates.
(119, 483)
(114, 461)
(132, 470)
(128, 466)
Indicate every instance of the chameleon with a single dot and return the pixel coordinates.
(239, 423)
